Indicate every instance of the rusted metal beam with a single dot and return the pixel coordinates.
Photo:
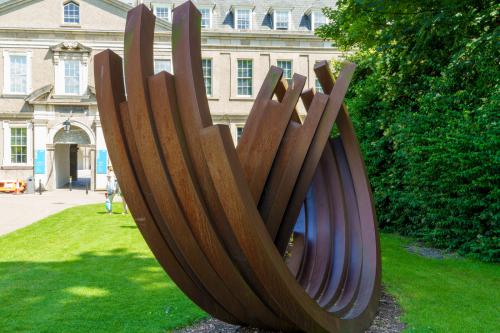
(219, 218)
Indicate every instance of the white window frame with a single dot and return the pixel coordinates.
(7, 158)
(65, 3)
(59, 75)
(210, 16)
(6, 72)
(65, 76)
(251, 78)
(289, 22)
(156, 60)
(236, 12)
(238, 127)
(313, 18)
(167, 7)
(211, 94)
(234, 125)
(289, 79)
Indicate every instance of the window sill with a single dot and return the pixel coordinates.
(212, 98)
(70, 25)
(241, 98)
(15, 95)
(67, 96)
(16, 167)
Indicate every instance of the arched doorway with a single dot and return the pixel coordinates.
(72, 157)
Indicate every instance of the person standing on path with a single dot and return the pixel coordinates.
(110, 190)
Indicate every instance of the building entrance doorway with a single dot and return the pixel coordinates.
(73, 162)
(72, 159)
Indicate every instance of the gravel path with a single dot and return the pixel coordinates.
(386, 321)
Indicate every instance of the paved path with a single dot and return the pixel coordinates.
(17, 211)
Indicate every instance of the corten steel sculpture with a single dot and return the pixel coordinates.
(219, 219)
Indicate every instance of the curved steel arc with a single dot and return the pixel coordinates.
(110, 95)
(219, 218)
(194, 116)
(167, 120)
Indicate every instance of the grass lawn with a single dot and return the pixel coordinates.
(448, 295)
(84, 271)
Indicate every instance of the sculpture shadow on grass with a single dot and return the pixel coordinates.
(110, 291)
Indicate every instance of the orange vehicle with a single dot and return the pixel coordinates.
(12, 186)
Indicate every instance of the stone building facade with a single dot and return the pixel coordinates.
(49, 120)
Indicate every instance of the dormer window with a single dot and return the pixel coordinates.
(317, 19)
(206, 17)
(281, 19)
(71, 13)
(163, 12)
(243, 18)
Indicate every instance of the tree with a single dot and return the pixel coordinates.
(425, 101)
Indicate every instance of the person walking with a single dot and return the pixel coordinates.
(110, 190)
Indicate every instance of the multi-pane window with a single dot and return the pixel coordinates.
(281, 19)
(205, 18)
(318, 19)
(286, 66)
(18, 145)
(71, 13)
(243, 19)
(239, 133)
(18, 73)
(245, 77)
(206, 64)
(317, 86)
(163, 65)
(162, 12)
(71, 76)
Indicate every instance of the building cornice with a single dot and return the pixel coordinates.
(16, 115)
(165, 46)
(12, 4)
(275, 34)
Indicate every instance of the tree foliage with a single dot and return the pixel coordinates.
(425, 101)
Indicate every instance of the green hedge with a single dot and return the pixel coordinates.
(425, 101)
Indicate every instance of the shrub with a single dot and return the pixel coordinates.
(425, 101)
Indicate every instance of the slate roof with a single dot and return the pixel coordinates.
(223, 17)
